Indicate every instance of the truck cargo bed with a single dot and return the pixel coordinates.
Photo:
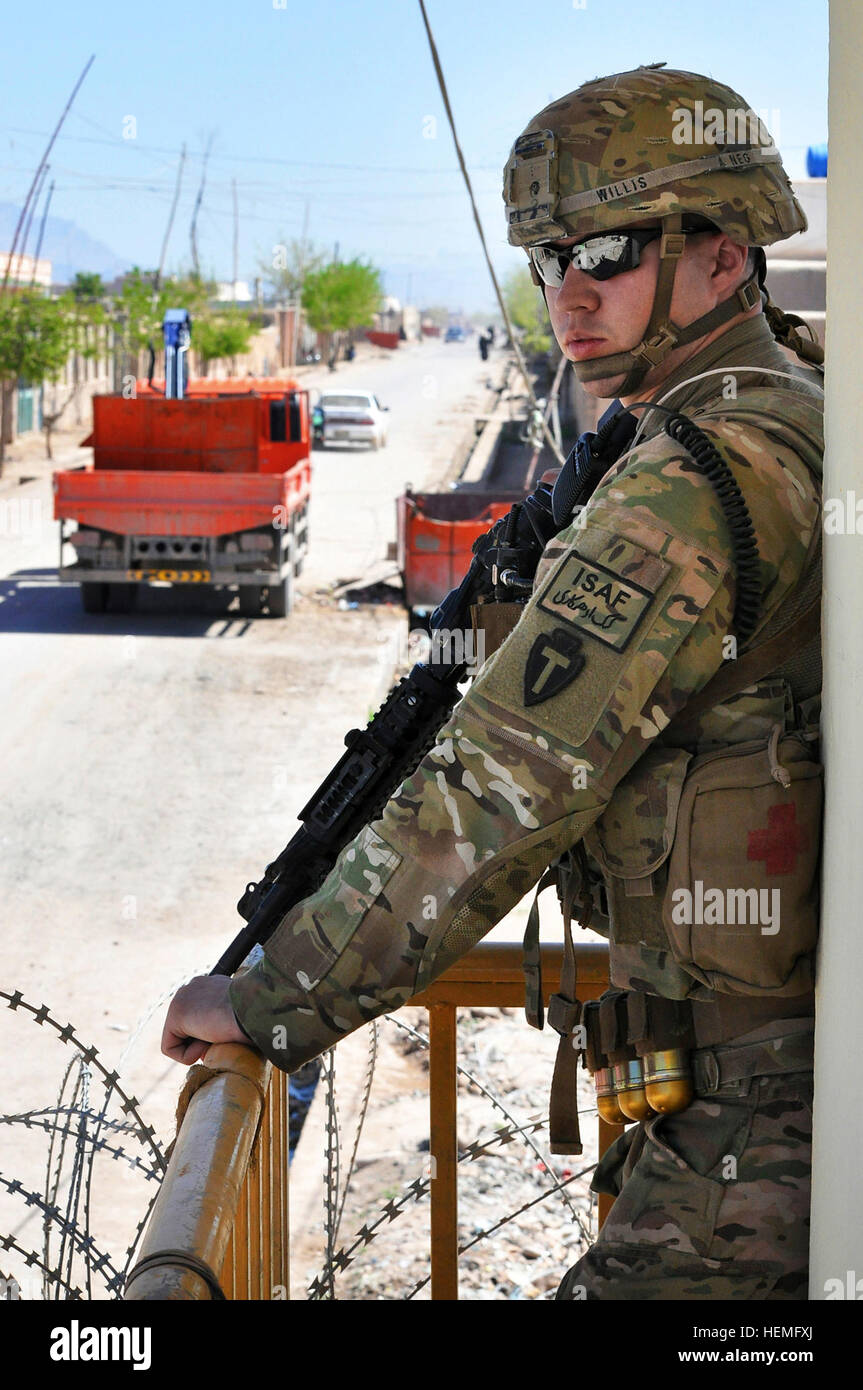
(435, 533)
(131, 502)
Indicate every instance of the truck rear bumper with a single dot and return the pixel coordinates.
(77, 574)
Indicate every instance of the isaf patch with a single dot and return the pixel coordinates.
(597, 601)
(554, 660)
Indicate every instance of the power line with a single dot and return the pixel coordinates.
(42, 163)
(509, 328)
(256, 159)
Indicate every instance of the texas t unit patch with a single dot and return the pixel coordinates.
(553, 661)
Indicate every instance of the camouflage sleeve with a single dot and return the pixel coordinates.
(626, 622)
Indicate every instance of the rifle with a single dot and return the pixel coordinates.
(404, 729)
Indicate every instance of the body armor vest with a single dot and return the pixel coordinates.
(702, 869)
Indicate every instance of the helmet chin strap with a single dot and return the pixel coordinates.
(661, 335)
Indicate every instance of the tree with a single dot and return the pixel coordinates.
(87, 287)
(342, 295)
(286, 268)
(37, 336)
(222, 335)
(526, 308)
(139, 308)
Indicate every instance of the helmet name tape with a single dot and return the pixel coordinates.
(624, 188)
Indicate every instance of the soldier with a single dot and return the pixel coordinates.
(649, 724)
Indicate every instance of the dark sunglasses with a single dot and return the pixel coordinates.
(600, 257)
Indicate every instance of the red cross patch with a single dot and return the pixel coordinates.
(782, 841)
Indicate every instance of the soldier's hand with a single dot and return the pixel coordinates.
(200, 1014)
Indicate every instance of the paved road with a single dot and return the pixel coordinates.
(432, 389)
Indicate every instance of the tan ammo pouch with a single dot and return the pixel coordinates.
(631, 842)
(740, 907)
(495, 621)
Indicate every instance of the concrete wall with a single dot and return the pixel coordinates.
(837, 1188)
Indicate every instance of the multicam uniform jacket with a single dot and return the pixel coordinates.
(628, 619)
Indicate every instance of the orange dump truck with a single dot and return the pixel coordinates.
(208, 487)
(436, 531)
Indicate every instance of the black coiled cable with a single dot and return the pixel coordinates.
(747, 605)
(595, 453)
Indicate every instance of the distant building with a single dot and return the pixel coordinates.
(25, 270)
(233, 291)
(395, 317)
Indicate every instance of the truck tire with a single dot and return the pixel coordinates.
(301, 542)
(251, 596)
(94, 596)
(122, 598)
(281, 595)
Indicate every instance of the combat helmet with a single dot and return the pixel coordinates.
(647, 145)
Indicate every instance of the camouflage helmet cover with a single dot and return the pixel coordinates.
(642, 145)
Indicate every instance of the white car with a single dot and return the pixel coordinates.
(353, 417)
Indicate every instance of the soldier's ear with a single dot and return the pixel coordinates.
(728, 261)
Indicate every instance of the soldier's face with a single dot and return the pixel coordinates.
(595, 318)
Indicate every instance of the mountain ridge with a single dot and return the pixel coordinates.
(65, 245)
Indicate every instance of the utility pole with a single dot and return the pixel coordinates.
(236, 240)
(298, 304)
(170, 219)
(26, 237)
(41, 232)
(6, 386)
(193, 230)
(38, 174)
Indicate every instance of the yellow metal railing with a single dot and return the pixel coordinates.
(490, 974)
(221, 1218)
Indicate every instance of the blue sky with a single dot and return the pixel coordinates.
(327, 103)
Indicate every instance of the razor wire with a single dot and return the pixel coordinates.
(52, 1189)
(542, 1157)
(74, 1126)
(504, 1220)
(37, 1119)
(371, 1060)
(31, 1259)
(110, 1079)
(395, 1207)
(85, 1245)
(335, 1192)
(323, 1285)
(331, 1181)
